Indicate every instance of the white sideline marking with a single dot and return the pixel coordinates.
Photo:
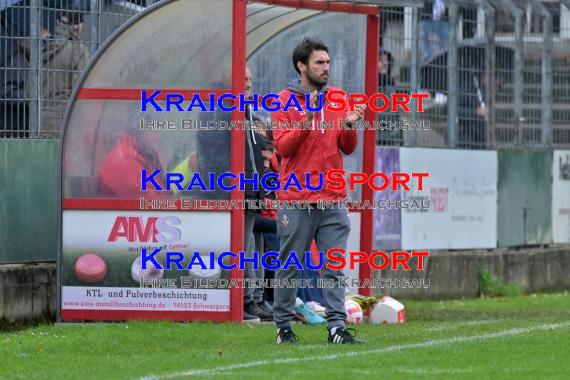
(399, 347)
(456, 325)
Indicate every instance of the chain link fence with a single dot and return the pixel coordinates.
(44, 47)
(497, 71)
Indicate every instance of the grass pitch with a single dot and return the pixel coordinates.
(520, 337)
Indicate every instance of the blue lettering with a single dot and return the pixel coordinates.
(170, 100)
(292, 99)
(221, 260)
(221, 181)
(308, 103)
(276, 263)
(145, 179)
(196, 257)
(243, 101)
(174, 179)
(292, 257)
(308, 264)
(270, 185)
(254, 181)
(196, 181)
(221, 102)
(174, 258)
(196, 102)
(308, 182)
(275, 105)
(292, 178)
(145, 100)
(254, 260)
(150, 258)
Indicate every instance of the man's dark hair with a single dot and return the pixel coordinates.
(303, 51)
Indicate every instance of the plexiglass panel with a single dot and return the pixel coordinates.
(108, 143)
(184, 44)
(344, 35)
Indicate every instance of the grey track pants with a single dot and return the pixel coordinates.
(296, 229)
(251, 294)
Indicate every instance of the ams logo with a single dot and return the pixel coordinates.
(152, 230)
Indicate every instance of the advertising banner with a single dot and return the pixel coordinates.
(560, 198)
(387, 222)
(462, 194)
(101, 264)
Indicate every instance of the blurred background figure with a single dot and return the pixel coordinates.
(64, 57)
(387, 86)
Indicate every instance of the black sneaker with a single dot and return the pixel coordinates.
(250, 318)
(265, 306)
(252, 308)
(343, 336)
(286, 335)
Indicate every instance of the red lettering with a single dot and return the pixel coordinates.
(332, 179)
(420, 98)
(376, 175)
(120, 229)
(384, 264)
(357, 257)
(420, 179)
(420, 255)
(353, 179)
(334, 258)
(372, 102)
(403, 103)
(396, 181)
(357, 99)
(332, 99)
(403, 261)
(138, 233)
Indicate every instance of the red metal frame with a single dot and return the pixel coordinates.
(237, 163)
(237, 156)
(135, 93)
(369, 147)
(325, 6)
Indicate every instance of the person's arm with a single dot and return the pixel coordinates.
(348, 138)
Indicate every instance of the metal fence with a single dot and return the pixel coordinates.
(497, 71)
(44, 46)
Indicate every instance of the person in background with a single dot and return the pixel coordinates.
(64, 57)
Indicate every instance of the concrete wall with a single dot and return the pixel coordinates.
(456, 274)
(27, 293)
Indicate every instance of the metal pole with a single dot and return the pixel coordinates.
(414, 74)
(546, 85)
(95, 29)
(491, 70)
(518, 77)
(35, 68)
(452, 76)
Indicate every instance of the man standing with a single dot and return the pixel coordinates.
(315, 150)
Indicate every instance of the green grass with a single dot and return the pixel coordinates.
(432, 344)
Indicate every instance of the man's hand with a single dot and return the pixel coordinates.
(314, 102)
(358, 112)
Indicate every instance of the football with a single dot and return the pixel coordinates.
(90, 269)
(353, 312)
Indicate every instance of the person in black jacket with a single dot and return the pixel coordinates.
(214, 157)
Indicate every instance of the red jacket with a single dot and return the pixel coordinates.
(311, 151)
(120, 172)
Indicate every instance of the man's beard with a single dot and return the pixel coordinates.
(315, 80)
